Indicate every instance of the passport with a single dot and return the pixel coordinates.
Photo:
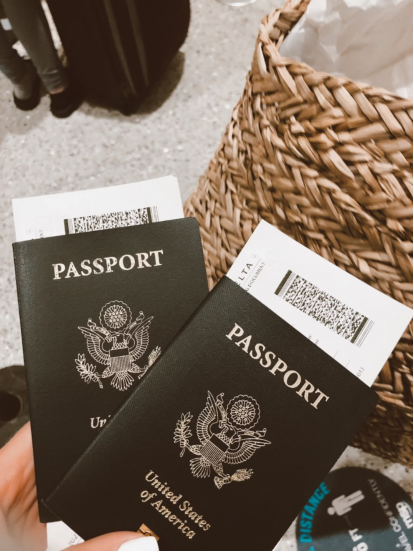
(96, 311)
(226, 438)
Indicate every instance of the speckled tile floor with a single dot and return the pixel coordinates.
(176, 131)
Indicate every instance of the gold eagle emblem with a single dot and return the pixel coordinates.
(226, 436)
(117, 344)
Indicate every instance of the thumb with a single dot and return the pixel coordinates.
(121, 540)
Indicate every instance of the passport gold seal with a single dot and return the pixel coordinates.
(117, 344)
(226, 437)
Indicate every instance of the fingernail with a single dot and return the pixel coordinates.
(143, 543)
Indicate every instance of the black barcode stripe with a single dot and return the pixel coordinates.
(324, 308)
(359, 330)
(285, 283)
(364, 334)
(69, 226)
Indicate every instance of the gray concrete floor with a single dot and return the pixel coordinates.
(176, 131)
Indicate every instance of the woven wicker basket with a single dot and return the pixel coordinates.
(329, 162)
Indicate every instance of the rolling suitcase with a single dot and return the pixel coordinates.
(117, 48)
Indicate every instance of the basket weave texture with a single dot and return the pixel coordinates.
(329, 162)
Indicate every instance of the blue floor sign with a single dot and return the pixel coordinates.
(356, 509)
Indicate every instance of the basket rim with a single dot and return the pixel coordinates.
(265, 39)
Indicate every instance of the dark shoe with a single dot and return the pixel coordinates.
(64, 103)
(29, 103)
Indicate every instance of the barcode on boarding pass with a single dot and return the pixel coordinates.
(324, 308)
(117, 219)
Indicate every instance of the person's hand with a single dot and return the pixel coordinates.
(20, 528)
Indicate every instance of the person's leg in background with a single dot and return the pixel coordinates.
(21, 73)
(30, 26)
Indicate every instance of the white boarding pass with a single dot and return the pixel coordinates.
(351, 321)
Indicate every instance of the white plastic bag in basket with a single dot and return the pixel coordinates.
(368, 41)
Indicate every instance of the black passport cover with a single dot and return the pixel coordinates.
(87, 340)
(231, 450)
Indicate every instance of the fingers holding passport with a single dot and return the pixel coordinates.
(122, 540)
(20, 528)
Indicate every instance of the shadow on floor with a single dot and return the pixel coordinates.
(12, 119)
(158, 94)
